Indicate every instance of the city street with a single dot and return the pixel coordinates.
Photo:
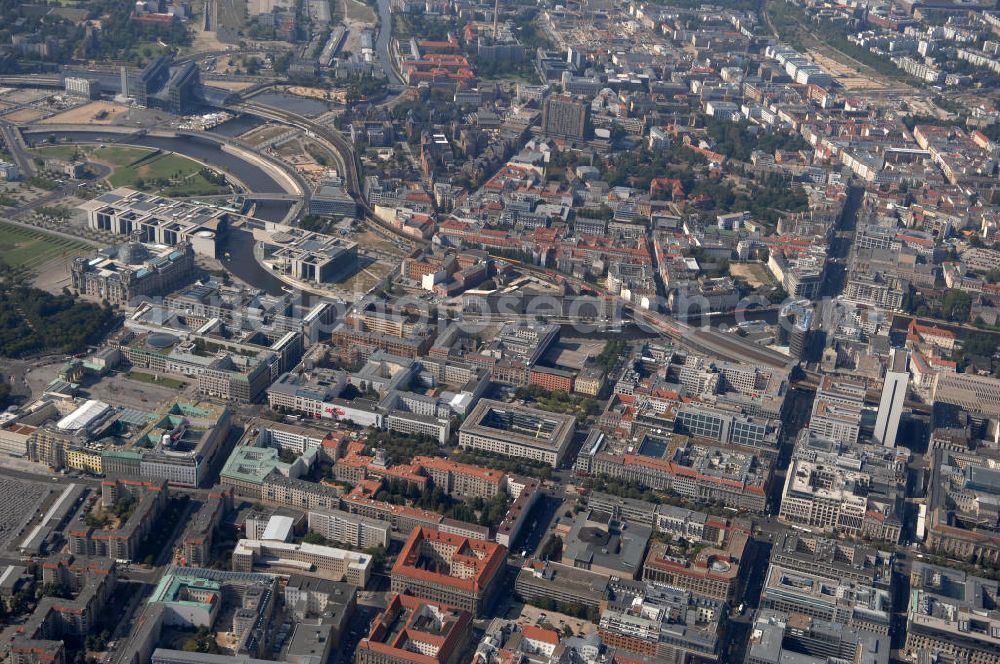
(411, 253)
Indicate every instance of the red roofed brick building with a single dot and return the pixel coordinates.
(549, 378)
(449, 45)
(461, 478)
(440, 70)
(415, 631)
(458, 571)
(935, 336)
(666, 189)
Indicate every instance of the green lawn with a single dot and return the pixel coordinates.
(115, 156)
(60, 151)
(142, 168)
(165, 381)
(195, 185)
(165, 166)
(183, 174)
(119, 155)
(23, 247)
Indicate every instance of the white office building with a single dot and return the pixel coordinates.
(890, 407)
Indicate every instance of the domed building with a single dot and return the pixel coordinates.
(122, 273)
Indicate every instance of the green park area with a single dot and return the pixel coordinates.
(23, 249)
(114, 156)
(169, 174)
(146, 169)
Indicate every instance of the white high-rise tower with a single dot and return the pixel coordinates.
(890, 407)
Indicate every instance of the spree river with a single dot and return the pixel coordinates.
(239, 243)
(255, 178)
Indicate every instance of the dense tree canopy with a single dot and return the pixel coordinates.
(737, 141)
(32, 321)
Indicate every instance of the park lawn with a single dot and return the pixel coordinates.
(119, 156)
(184, 174)
(155, 50)
(165, 381)
(23, 247)
(129, 168)
(60, 151)
(165, 166)
(569, 404)
(115, 156)
(195, 185)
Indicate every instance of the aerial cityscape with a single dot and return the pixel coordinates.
(499, 332)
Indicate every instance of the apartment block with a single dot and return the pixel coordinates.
(124, 541)
(350, 529)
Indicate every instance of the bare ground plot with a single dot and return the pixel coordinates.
(922, 106)
(24, 115)
(289, 150)
(117, 388)
(358, 11)
(573, 353)
(233, 86)
(755, 274)
(848, 76)
(25, 96)
(364, 279)
(317, 93)
(54, 275)
(98, 112)
(371, 240)
(259, 135)
(357, 17)
(203, 40)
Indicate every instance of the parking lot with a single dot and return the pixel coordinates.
(532, 615)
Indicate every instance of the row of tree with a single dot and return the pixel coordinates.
(484, 512)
